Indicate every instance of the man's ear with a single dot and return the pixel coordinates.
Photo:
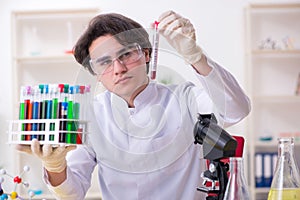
(147, 55)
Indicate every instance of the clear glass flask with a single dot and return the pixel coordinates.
(286, 178)
(237, 188)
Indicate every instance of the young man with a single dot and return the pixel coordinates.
(142, 131)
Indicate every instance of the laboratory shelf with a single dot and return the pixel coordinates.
(272, 58)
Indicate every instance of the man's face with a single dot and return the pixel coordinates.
(121, 69)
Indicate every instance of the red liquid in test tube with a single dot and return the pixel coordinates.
(155, 51)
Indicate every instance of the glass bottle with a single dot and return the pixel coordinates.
(286, 178)
(237, 188)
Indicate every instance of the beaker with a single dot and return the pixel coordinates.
(286, 179)
(237, 188)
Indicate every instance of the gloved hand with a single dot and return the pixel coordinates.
(180, 34)
(53, 158)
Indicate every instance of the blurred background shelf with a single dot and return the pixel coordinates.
(273, 68)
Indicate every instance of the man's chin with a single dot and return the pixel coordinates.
(127, 91)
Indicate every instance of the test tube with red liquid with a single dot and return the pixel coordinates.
(154, 51)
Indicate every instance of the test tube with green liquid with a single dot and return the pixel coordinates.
(70, 137)
(54, 110)
(22, 109)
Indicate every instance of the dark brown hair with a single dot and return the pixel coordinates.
(124, 29)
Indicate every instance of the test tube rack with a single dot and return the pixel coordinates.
(53, 132)
(51, 113)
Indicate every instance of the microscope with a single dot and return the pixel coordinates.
(217, 145)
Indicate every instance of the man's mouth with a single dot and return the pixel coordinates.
(122, 80)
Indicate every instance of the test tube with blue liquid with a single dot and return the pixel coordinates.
(36, 109)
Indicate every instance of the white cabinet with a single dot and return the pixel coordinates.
(42, 44)
(273, 67)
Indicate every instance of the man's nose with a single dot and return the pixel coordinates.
(119, 67)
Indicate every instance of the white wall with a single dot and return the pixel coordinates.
(219, 25)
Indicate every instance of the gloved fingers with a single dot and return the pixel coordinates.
(23, 148)
(167, 17)
(63, 150)
(47, 150)
(173, 30)
(180, 33)
(165, 14)
(171, 22)
(71, 147)
(189, 31)
(176, 26)
(171, 27)
(41, 151)
(36, 148)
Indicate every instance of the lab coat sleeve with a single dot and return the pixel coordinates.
(229, 99)
(81, 163)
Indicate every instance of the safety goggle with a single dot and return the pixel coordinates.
(125, 55)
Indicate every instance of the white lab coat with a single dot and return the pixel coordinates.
(147, 152)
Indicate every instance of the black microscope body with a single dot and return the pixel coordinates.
(217, 145)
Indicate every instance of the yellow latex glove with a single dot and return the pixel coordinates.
(53, 158)
(180, 34)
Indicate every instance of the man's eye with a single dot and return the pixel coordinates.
(125, 55)
(104, 62)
